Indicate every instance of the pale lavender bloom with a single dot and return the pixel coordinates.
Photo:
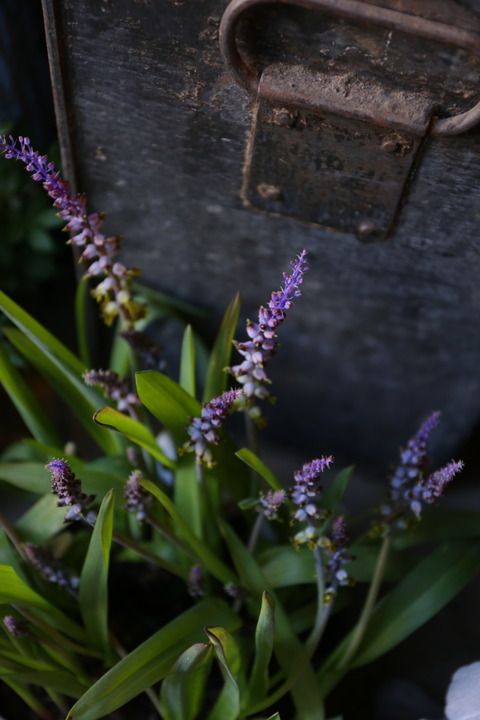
(84, 229)
(431, 488)
(335, 546)
(48, 567)
(271, 502)
(262, 345)
(115, 388)
(16, 627)
(67, 488)
(137, 499)
(306, 494)
(204, 430)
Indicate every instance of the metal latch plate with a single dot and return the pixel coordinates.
(338, 172)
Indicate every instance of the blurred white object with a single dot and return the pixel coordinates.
(463, 695)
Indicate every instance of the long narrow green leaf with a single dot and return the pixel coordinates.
(227, 706)
(202, 551)
(250, 459)
(187, 362)
(30, 410)
(81, 399)
(16, 592)
(28, 698)
(188, 496)
(93, 594)
(167, 401)
(150, 662)
(216, 379)
(133, 430)
(38, 334)
(41, 521)
(334, 493)
(167, 305)
(284, 566)
(81, 298)
(264, 638)
(416, 599)
(184, 687)
(55, 679)
(288, 650)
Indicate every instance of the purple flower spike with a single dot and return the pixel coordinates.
(114, 293)
(262, 345)
(203, 430)
(49, 568)
(305, 494)
(113, 386)
(67, 488)
(436, 483)
(137, 499)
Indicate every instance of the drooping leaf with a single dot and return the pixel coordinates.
(264, 638)
(250, 459)
(133, 430)
(151, 661)
(227, 705)
(93, 592)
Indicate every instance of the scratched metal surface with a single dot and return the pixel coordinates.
(384, 333)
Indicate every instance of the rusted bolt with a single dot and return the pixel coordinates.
(284, 117)
(269, 192)
(366, 230)
(390, 145)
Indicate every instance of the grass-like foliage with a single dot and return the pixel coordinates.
(246, 569)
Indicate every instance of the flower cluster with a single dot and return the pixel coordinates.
(411, 484)
(305, 494)
(137, 499)
(115, 388)
(16, 627)
(270, 503)
(114, 293)
(68, 489)
(335, 546)
(148, 352)
(48, 567)
(203, 430)
(262, 345)
(195, 581)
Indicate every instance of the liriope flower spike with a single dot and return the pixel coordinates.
(68, 489)
(306, 494)
(48, 567)
(114, 292)
(115, 388)
(137, 499)
(203, 430)
(262, 345)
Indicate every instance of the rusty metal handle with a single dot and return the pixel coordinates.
(248, 77)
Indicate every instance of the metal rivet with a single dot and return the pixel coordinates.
(269, 192)
(390, 145)
(366, 230)
(284, 117)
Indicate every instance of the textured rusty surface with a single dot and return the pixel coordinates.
(384, 333)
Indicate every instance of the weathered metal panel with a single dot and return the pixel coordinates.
(384, 333)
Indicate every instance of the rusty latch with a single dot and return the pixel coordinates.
(345, 93)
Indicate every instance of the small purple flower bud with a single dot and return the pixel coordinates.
(16, 627)
(137, 499)
(271, 502)
(113, 387)
(195, 581)
(67, 488)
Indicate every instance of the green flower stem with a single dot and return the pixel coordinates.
(253, 445)
(255, 533)
(364, 619)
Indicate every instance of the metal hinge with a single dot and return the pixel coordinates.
(345, 92)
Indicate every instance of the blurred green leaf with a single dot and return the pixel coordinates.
(133, 430)
(284, 566)
(30, 410)
(93, 593)
(227, 705)
(250, 459)
(184, 687)
(56, 679)
(41, 521)
(150, 662)
(81, 325)
(82, 400)
(264, 638)
(187, 362)
(216, 378)
(167, 402)
(334, 493)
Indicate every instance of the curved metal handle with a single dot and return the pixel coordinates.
(249, 78)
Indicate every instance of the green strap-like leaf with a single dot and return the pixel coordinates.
(227, 706)
(250, 459)
(264, 638)
(14, 591)
(167, 401)
(133, 430)
(93, 593)
(334, 493)
(30, 410)
(216, 379)
(81, 399)
(187, 362)
(184, 687)
(150, 662)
